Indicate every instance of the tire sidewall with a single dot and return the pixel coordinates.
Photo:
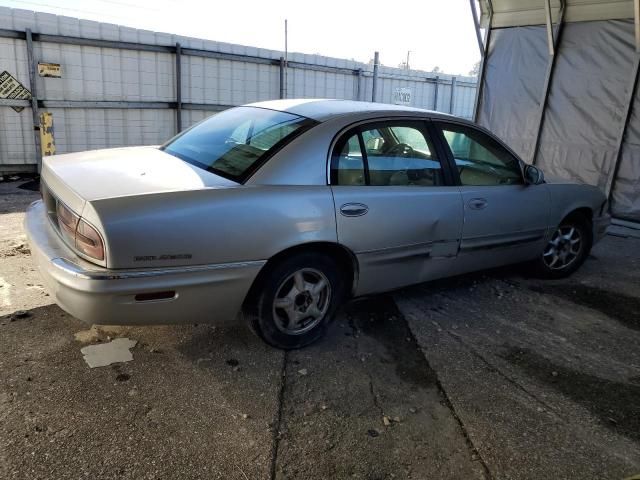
(264, 323)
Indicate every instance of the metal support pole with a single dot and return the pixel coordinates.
(281, 77)
(359, 85)
(453, 92)
(34, 98)
(374, 88)
(435, 93)
(476, 24)
(631, 93)
(636, 19)
(178, 88)
(550, 40)
(483, 59)
(549, 75)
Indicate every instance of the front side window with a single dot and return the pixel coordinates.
(234, 143)
(389, 154)
(480, 160)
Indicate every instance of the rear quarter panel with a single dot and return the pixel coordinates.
(212, 226)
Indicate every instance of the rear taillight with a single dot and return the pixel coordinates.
(79, 233)
(88, 241)
(67, 221)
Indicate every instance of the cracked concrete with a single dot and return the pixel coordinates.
(333, 417)
(541, 378)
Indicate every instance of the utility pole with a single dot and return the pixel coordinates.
(376, 64)
(286, 58)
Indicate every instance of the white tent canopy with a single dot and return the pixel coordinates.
(559, 84)
(518, 13)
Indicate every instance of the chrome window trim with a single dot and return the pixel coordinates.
(343, 130)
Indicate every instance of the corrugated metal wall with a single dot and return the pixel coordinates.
(99, 74)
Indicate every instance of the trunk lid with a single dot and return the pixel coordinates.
(75, 178)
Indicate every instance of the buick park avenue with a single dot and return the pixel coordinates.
(275, 213)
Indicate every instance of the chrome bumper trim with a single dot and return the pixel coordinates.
(71, 268)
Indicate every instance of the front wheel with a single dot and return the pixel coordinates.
(295, 300)
(567, 249)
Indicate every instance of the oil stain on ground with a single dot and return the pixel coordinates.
(379, 318)
(615, 404)
(623, 308)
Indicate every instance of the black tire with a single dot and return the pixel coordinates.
(267, 320)
(544, 265)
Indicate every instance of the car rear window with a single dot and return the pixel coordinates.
(236, 142)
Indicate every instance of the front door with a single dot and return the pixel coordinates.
(505, 219)
(396, 208)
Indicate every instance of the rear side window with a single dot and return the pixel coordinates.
(349, 163)
(234, 143)
(386, 154)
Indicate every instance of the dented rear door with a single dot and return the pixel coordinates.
(395, 208)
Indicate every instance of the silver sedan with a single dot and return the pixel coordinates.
(282, 210)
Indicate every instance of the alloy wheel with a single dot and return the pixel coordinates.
(302, 301)
(564, 247)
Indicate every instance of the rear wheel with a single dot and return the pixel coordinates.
(567, 249)
(295, 300)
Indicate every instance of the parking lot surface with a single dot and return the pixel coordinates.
(491, 375)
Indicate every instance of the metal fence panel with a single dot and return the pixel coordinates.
(105, 66)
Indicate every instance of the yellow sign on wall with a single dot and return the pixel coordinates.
(49, 70)
(47, 142)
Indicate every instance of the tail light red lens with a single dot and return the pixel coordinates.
(88, 241)
(79, 233)
(67, 221)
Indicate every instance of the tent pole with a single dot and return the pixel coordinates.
(484, 49)
(550, 40)
(631, 91)
(553, 43)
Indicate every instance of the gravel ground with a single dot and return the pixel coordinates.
(486, 376)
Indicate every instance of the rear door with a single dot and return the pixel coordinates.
(505, 220)
(396, 207)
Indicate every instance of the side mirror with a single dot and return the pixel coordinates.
(533, 175)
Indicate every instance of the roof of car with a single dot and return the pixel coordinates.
(324, 109)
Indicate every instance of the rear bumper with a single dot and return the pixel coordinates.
(202, 293)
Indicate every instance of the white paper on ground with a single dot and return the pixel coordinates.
(105, 354)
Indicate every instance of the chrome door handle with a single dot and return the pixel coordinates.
(354, 209)
(477, 203)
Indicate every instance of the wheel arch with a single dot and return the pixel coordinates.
(585, 213)
(343, 255)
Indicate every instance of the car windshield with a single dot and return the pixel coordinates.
(234, 143)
